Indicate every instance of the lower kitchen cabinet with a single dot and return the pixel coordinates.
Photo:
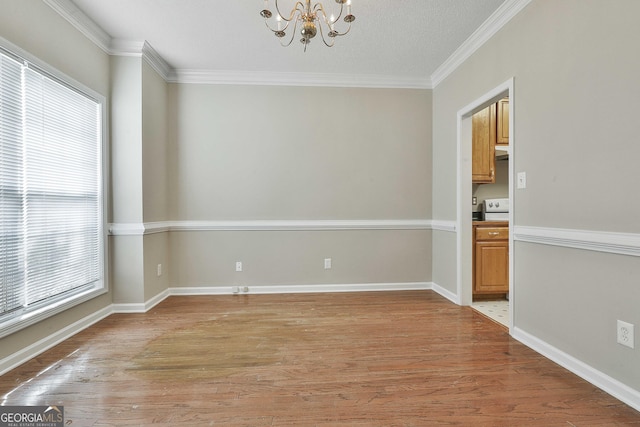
(490, 258)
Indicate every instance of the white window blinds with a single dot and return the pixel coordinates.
(51, 225)
(11, 235)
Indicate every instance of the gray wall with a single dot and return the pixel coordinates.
(140, 174)
(265, 152)
(291, 153)
(155, 178)
(575, 67)
(295, 258)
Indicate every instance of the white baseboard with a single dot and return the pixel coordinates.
(294, 289)
(156, 300)
(141, 307)
(446, 293)
(201, 290)
(601, 380)
(28, 353)
(129, 308)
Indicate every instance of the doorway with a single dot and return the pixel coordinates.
(465, 194)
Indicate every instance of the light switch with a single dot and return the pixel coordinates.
(522, 180)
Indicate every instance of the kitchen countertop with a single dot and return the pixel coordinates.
(490, 223)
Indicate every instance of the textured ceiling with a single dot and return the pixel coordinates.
(397, 39)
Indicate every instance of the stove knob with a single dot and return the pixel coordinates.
(497, 204)
(490, 204)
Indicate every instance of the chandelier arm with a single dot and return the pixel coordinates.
(293, 11)
(318, 7)
(292, 18)
(333, 40)
(275, 30)
(293, 34)
(345, 33)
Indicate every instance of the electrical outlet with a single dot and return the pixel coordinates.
(238, 265)
(625, 334)
(327, 263)
(159, 270)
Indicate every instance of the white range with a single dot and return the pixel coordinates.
(496, 209)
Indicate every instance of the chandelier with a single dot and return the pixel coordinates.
(310, 19)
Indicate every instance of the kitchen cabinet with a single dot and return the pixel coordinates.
(502, 122)
(483, 164)
(490, 258)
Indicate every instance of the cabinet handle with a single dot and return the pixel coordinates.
(494, 233)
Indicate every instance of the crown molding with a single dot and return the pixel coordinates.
(491, 26)
(69, 11)
(156, 61)
(266, 78)
(119, 47)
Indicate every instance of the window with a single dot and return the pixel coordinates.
(51, 194)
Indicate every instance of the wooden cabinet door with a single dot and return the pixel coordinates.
(483, 163)
(502, 130)
(492, 267)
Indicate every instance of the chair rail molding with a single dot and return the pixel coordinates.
(599, 241)
(131, 229)
(442, 225)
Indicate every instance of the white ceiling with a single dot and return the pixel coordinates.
(403, 40)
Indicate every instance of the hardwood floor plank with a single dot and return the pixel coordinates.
(353, 359)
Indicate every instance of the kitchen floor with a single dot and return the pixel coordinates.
(497, 311)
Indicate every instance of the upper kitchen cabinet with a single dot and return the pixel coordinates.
(484, 146)
(502, 129)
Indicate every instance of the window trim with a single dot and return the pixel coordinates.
(58, 305)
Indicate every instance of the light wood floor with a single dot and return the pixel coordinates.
(350, 359)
